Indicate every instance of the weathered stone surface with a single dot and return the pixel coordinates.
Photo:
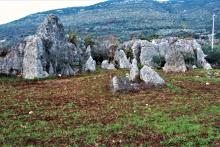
(144, 51)
(150, 77)
(189, 49)
(122, 59)
(46, 53)
(107, 65)
(134, 71)
(34, 58)
(174, 61)
(90, 65)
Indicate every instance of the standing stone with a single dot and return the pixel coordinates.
(174, 62)
(90, 65)
(150, 77)
(134, 71)
(122, 59)
(34, 58)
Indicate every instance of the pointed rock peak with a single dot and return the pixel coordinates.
(51, 27)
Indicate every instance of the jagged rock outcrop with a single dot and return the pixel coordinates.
(107, 65)
(134, 71)
(46, 53)
(182, 49)
(185, 53)
(122, 59)
(150, 77)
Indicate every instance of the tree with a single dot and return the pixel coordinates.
(89, 41)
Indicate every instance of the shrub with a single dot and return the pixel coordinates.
(213, 57)
(148, 37)
(89, 41)
(73, 37)
(159, 61)
(129, 53)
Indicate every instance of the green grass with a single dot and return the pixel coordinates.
(81, 111)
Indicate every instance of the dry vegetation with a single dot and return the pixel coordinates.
(82, 111)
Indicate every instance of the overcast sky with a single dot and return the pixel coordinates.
(14, 9)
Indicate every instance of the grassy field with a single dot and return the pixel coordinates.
(82, 111)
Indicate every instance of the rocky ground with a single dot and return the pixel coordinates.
(81, 110)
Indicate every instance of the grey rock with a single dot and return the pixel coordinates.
(122, 59)
(184, 49)
(107, 65)
(134, 71)
(174, 61)
(150, 77)
(119, 84)
(46, 53)
(90, 65)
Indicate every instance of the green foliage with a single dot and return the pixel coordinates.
(73, 37)
(148, 37)
(159, 61)
(89, 41)
(129, 53)
(213, 57)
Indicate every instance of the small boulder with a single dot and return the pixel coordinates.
(107, 65)
(150, 77)
(90, 65)
(119, 84)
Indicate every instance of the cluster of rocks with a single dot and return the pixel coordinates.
(47, 53)
(138, 79)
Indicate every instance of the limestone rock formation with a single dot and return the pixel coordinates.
(46, 53)
(134, 71)
(150, 77)
(122, 59)
(188, 50)
(174, 61)
(107, 65)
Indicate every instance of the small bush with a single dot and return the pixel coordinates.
(129, 53)
(148, 37)
(89, 41)
(73, 37)
(159, 61)
(213, 57)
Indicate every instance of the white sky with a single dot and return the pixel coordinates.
(14, 9)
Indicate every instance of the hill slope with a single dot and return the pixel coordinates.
(124, 17)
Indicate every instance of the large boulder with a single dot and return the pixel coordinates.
(174, 60)
(150, 77)
(122, 59)
(46, 53)
(107, 65)
(144, 51)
